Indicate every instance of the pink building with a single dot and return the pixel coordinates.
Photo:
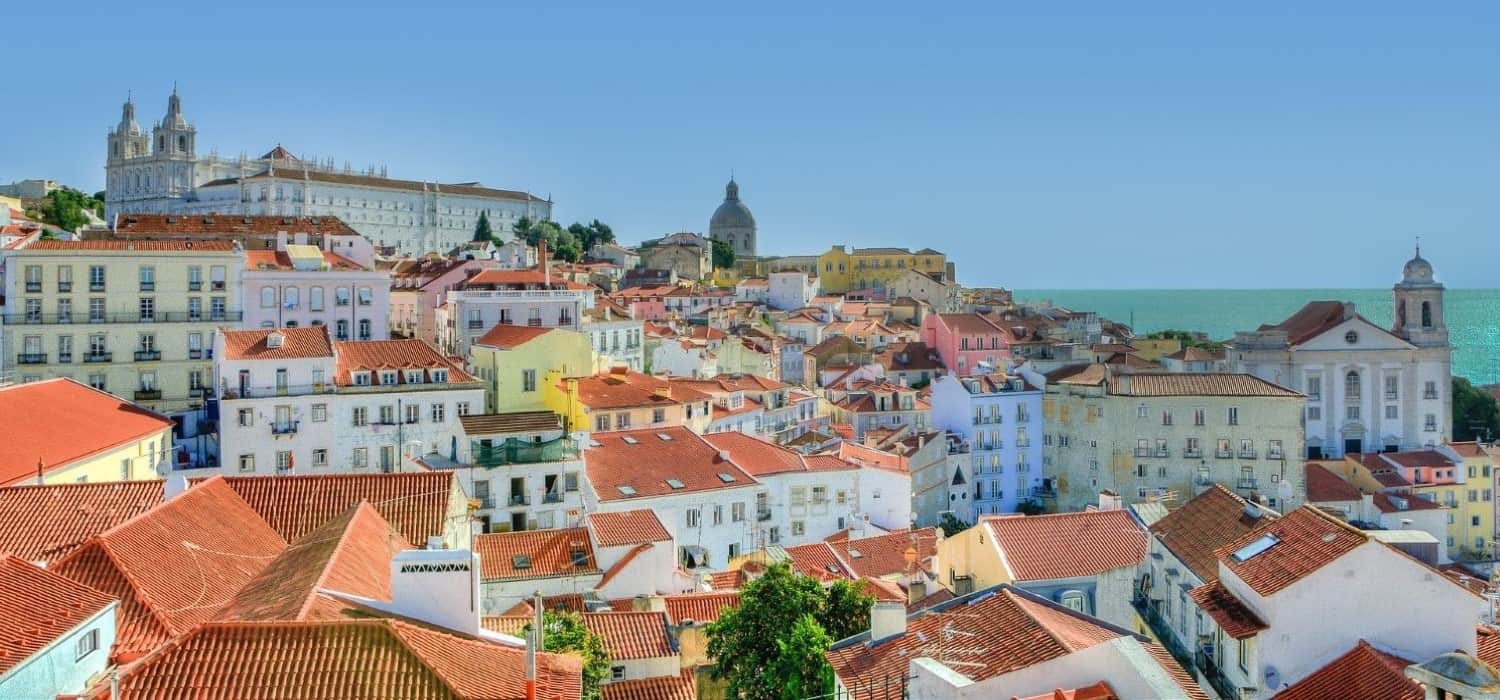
(965, 341)
(419, 287)
(645, 303)
(335, 285)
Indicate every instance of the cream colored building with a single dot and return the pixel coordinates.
(1167, 437)
(133, 318)
(61, 432)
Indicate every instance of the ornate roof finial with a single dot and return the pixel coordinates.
(1419, 245)
(174, 88)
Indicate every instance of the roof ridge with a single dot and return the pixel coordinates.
(338, 548)
(394, 629)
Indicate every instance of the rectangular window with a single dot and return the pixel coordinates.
(462, 408)
(360, 458)
(1392, 412)
(1314, 413)
(693, 517)
(247, 462)
(601, 423)
(247, 417)
(148, 309)
(195, 278)
(319, 412)
(283, 460)
(1314, 387)
(387, 415)
(96, 278)
(413, 413)
(87, 644)
(528, 380)
(737, 512)
(148, 278)
(799, 528)
(361, 416)
(1234, 415)
(320, 457)
(439, 412)
(315, 299)
(659, 415)
(622, 420)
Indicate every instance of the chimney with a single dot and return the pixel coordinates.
(281, 240)
(437, 586)
(648, 603)
(1348, 310)
(1109, 500)
(887, 620)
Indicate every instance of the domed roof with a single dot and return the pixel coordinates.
(732, 213)
(1417, 270)
(1463, 668)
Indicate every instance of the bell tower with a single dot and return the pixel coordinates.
(174, 151)
(1419, 305)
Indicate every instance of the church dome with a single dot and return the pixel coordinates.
(1417, 270)
(732, 214)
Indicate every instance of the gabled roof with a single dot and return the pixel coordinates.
(57, 422)
(416, 504)
(1362, 672)
(640, 463)
(625, 389)
(45, 523)
(505, 336)
(38, 608)
(354, 659)
(1324, 486)
(509, 423)
(376, 355)
(627, 636)
(1237, 621)
(762, 457)
(682, 686)
(627, 527)
(506, 556)
(819, 560)
(699, 607)
(1309, 321)
(1306, 539)
(1068, 545)
(296, 343)
(885, 555)
(1209, 521)
(176, 565)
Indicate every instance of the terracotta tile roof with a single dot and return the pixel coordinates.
(59, 421)
(643, 464)
(296, 343)
(1488, 644)
(1396, 503)
(881, 590)
(279, 260)
(508, 336)
(627, 527)
(1197, 384)
(819, 560)
(1080, 375)
(506, 423)
(728, 580)
(1097, 691)
(294, 174)
(1307, 539)
(971, 324)
(539, 553)
(1363, 672)
(627, 636)
(1207, 522)
(621, 389)
(313, 659)
(940, 595)
(1418, 458)
(1467, 449)
(349, 554)
(45, 523)
(885, 555)
(1324, 486)
(679, 687)
(907, 357)
(1068, 545)
(1233, 617)
(221, 224)
(415, 504)
(153, 246)
(761, 457)
(38, 607)
(700, 608)
(570, 602)
(175, 565)
(375, 355)
(1310, 320)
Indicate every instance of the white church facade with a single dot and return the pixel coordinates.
(1368, 389)
(162, 173)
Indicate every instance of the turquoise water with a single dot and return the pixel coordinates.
(1473, 314)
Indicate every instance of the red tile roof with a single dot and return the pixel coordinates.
(1363, 672)
(1310, 320)
(415, 504)
(762, 457)
(154, 246)
(318, 660)
(1488, 644)
(1233, 617)
(627, 527)
(881, 590)
(700, 608)
(541, 553)
(221, 224)
(57, 422)
(1324, 486)
(1307, 538)
(45, 523)
(1197, 384)
(296, 343)
(175, 565)
(623, 389)
(39, 607)
(1207, 522)
(885, 555)
(1097, 691)
(643, 463)
(507, 336)
(971, 324)
(627, 636)
(679, 687)
(1418, 458)
(376, 355)
(1068, 545)
(1396, 503)
(819, 560)
(279, 260)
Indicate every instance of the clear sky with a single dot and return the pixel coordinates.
(1108, 145)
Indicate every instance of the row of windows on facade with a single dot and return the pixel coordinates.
(995, 413)
(609, 341)
(899, 264)
(146, 381)
(991, 440)
(1353, 387)
(145, 310)
(198, 348)
(1392, 412)
(283, 417)
(264, 194)
(141, 181)
(291, 297)
(992, 464)
(359, 458)
(145, 276)
(388, 377)
(1192, 447)
(533, 317)
(341, 327)
(977, 343)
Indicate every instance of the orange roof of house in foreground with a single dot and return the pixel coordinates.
(1207, 522)
(1363, 672)
(57, 422)
(678, 687)
(535, 554)
(505, 336)
(416, 504)
(627, 527)
(627, 635)
(290, 343)
(658, 462)
(45, 523)
(375, 355)
(1068, 545)
(1305, 540)
(38, 607)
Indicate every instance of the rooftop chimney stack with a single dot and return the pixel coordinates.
(437, 586)
(887, 619)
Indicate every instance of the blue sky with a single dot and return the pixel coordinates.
(1108, 145)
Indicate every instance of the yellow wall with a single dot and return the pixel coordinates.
(972, 553)
(1462, 530)
(143, 456)
(561, 352)
(842, 269)
(562, 401)
(1153, 350)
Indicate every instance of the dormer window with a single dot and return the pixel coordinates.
(361, 379)
(413, 376)
(440, 376)
(388, 377)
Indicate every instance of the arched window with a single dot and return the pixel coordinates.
(268, 297)
(1426, 314)
(1401, 314)
(1351, 385)
(182, 144)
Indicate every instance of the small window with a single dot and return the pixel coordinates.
(87, 644)
(617, 673)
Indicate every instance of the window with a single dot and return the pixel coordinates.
(247, 417)
(1351, 337)
(462, 408)
(1234, 415)
(693, 517)
(774, 535)
(1141, 411)
(320, 457)
(315, 299)
(216, 309)
(528, 380)
(148, 308)
(96, 278)
(361, 416)
(361, 378)
(439, 413)
(1198, 416)
(1429, 423)
(195, 278)
(1314, 413)
(1166, 417)
(413, 413)
(364, 329)
(96, 311)
(247, 462)
(1314, 387)
(361, 457)
(1429, 390)
(659, 415)
(283, 460)
(1392, 412)
(87, 644)
(1074, 600)
(799, 528)
(601, 422)
(622, 421)
(1242, 654)
(718, 518)
(388, 377)
(267, 297)
(1351, 413)
(1391, 393)
(216, 278)
(388, 415)
(737, 512)
(1351, 385)
(319, 412)
(617, 673)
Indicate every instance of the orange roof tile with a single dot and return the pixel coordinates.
(1233, 617)
(39, 607)
(1310, 320)
(1307, 539)
(313, 659)
(45, 523)
(1488, 644)
(624, 389)
(885, 555)
(505, 556)
(881, 590)
(1068, 545)
(627, 636)
(279, 260)
(1207, 522)
(627, 527)
(222, 224)
(762, 457)
(154, 246)
(1324, 486)
(376, 355)
(679, 687)
(1197, 384)
(57, 422)
(507, 336)
(415, 504)
(699, 607)
(637, 463)
(1363, 672)
(296, 343)
(820, 561)
(1097, 691)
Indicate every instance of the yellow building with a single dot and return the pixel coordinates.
(625, 400)
(65, 432)
(841, 269)
(1471, 504)
(1153, 349)
(134, 318)
(517, 362)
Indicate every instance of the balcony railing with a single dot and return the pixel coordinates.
(256, 392)
(485, 503)
(514, 451)
(148, 286)
(1163, 452)
(64, 357)
(1150, 611)
(24, 319)
(147, 355)
(200, 392)
(1273, 454)
(1215, 677)
(517, 499)
(1247, 453)
(96, 286)
(285, 427)
(552, 497)
(1043, 492)
(31, 358)
(1390, 396)
(762, 514)
(1192, 453)
(195, 285)
(475, 323)
(98, 357)
(148, 394)
(1429, 394)
(1250, 484)
(1143, 452)
(33, 287)
(1223, 454)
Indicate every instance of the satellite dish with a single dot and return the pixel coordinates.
(1272, 676)
(1284, 490)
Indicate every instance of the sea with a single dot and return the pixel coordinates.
(1473, 315)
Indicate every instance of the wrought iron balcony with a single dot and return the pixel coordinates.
(25, 319)
(1214, 675)
(148, 394)
(518, 499)
(33, 287)
(200, 392)
(64, 357)
(762, 514)
(1192, 453)
(96, 286)
(1043, 492)
(1250, 484)
(515, 451)
(285, 427)
(195, 285)
(552, 497)
(147, 355)
(1223, 454)
(1247, 453)
(31, 358)
(99, 357)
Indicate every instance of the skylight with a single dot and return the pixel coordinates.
(629, 440)
(1261, 544)
(626, 490)
(855, 554)
(726, 477)
(675, 484)
(664, 437)
(521, 561)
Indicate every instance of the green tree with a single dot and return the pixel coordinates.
(99, 197)
(482, 230)
(951, 525)
(567, 247)
(1475, 413)
(563, 632)
(745, 641)
(522, 229)
(64, 208)
(723, 255)
(845, 611)
(1187, 338)
(602, 232)
(800, 666)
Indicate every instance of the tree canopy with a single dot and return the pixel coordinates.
(723, 254)
(1475, 413)
(951, 525)
(482, 230)
(1188, 339)
(569, 243)
(65, 207)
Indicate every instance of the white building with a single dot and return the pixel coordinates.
(1000, 418)
(162, 173)
(616, 336)
(300, 285)
(1368, 389)
(58, 633)
(791, 289)
(509, 297)
(292, 399)
(808, 498)
(682, 357)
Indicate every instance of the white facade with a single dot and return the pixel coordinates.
(885, 495)
(690, 518)
(682, 358)
(617, 341)
(469, 313)
(1000, 419)
(792, 289)
(809, 506)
